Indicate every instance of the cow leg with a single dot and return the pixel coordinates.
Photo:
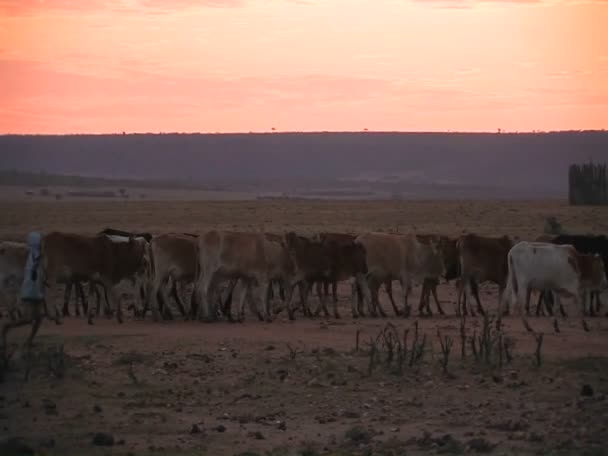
(462, 296)
(363, 295)
(579, 302)
(319, 287)
(598, 302)
(323, 302)
(335, 305)
(166, 311)
(405, 289)
(226, 305)
(423, 295)
(437, 303)
(265, 286)
(428, 286)
(66, 299)
(208, 310)
(290, 288)
(244, 297)
(153, 300)
(388, 286)
(178, 300)
(83, 299)
(521, 295)
(475, 293)
(528, 296)
(108, 307)
(355, 297)
(549, 301)
(118, 299)
(591, 295)
(540, 304)
(304, 288)
(334, 290)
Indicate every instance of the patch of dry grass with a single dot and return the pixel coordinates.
(516, 218)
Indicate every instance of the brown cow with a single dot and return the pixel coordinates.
(399, 257)
(449, 251)
(592, 280)
(326, 258)
(481, 259)
(173, 259)
(68, 257)
(254, 258)
(347, 261)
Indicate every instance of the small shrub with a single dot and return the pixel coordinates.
(131, 357)
(358, 434)
(552, 226)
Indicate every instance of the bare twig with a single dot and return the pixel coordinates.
(463, 337)
(539, 344)
(446, 347)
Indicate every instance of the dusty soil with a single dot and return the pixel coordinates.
(302, 387)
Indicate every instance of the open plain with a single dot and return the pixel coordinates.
(305, 387)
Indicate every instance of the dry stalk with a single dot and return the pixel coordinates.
(539, 344)
(446, 347)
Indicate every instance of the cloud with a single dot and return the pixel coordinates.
(35, 7)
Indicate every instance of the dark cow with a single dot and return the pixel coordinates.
(587, 244)
(68, 257)
(347, 261)
(481, 259)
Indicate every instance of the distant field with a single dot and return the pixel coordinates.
(517, 218)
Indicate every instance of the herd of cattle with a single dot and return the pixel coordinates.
(215, 261)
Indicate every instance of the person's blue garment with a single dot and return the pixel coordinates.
(33, 282)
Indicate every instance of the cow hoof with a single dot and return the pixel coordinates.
(585, 327)
(337, 316)
(90, 321)
(355, 316)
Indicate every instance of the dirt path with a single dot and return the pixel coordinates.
(194, 388)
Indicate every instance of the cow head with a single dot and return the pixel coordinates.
(436, 260)
(449, 252)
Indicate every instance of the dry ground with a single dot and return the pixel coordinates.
(192, 388)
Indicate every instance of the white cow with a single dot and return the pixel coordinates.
(543, 266)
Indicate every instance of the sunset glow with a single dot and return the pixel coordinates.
(300, 65)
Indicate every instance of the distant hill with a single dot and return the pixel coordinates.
(529, 165)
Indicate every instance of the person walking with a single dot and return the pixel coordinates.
(32, 294)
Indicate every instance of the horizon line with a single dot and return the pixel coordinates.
(308, 132)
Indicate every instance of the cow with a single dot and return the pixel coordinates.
(254, 258)
(449, 251)
(398, 257)
(481, 259)
(13, 256)
(544, 266)
(107, 259)
(586, 244)
(326, 258)
(173, 259)
(97, 287)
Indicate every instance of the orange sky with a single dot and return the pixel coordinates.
(72, 66)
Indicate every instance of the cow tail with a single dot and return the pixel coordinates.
(152, 271)
(512, 286)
